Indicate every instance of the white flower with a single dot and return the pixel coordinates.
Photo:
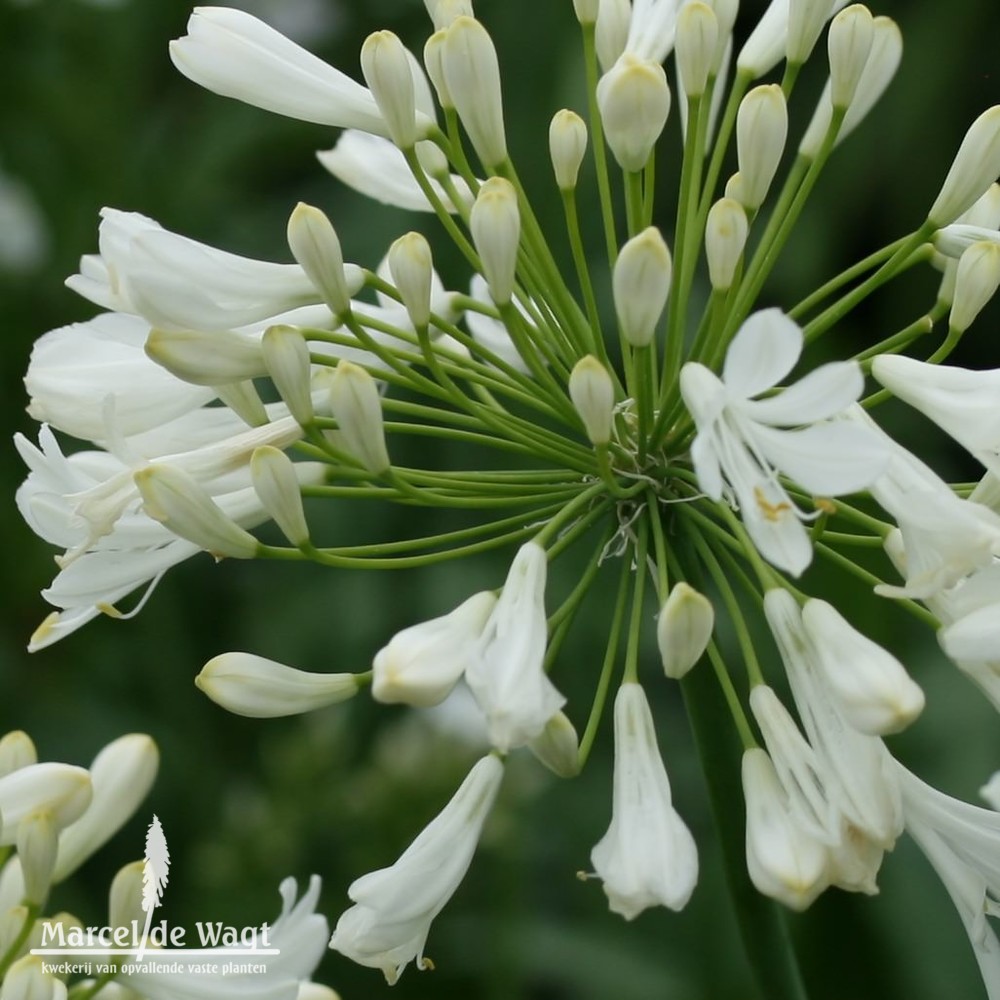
(388, 925)
(739, 441)
(299, 935)
(83, 376)
(962, 402)
(65, 791)
(648, 856)
(991, 791)
(962, 842)
(421, 664)
(235, 55)
(507, 676)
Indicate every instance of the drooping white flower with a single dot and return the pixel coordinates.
(421, 664)
(393, 907)
(299, 935)
(648, 856)
(741, 443)
(236, 55)
(962, 842)
(507, 675)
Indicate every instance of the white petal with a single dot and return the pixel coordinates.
(774, 527)
(823, 393)
(762, 353)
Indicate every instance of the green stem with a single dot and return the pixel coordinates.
(597, 143)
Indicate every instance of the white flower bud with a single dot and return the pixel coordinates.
(567, 146)
(880, 67)
(314, 244)
(412, 268)
(16, 751)
(258, 688)
(277, 486)
(421, 664)
(61, 789)
(975, 167)
(683, 629)
(357, 408)
(761, 130)
(783, 860)
(991, 791)
(734, 188)
(434, 64)
(286, 357)
(27, 980)
(37, 843)
(443, 12)
(634, 101)
(558, 747)
(805, 22)
(976, 281)
(593, 395)
(125, 896)
(613, 23)
(121, 774)
(44, 929)
(177, 500)
(641, 284)
(244, 400)
(726, 232)
(211, 357)
(13, 918)
(587, 10)
(495, 224)
(385, 65)
(696, 46)
(472, 74)
(872, 689)
(849, 45)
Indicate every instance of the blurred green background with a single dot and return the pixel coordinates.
(94, 114)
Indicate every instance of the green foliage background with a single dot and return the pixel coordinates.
(94, 114)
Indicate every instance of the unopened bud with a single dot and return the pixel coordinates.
(472, 74)
(634, 101)
(683, 629)
(125, 896)
(179, 502)
(385, 65)
(421, 664)
(412, 268)
(849, 45)
(206, 357)
(434, 64)
(761, 130)
(558, 747)
(357, 408)
(37, 844)
(277, 486)
(641, 284)
(567, 146)
(593, 395)
(726, 232)
(62, 790)
(16, 751)
(443, 12)
(26, 979)
(611, 36)
(976, 281)
(286, 357)
(975, 167)
(495, 224)
(244, 400)
(314, 244)
(696, 45)
(258, 688)
(805, 22)
(586, 10)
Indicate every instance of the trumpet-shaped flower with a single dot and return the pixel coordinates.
(648, 856)
(741, 441)
(393, 908)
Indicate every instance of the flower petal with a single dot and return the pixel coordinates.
(823, 393)
(762, 353)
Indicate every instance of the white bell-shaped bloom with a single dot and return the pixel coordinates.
(507, 675)
(299, 935)
(421, 664)
(741, 442)
(234, 54)
(962, 842)
(648, 856)
(393, 907)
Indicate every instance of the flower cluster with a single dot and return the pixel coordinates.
(661, 431)
(55, 816)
